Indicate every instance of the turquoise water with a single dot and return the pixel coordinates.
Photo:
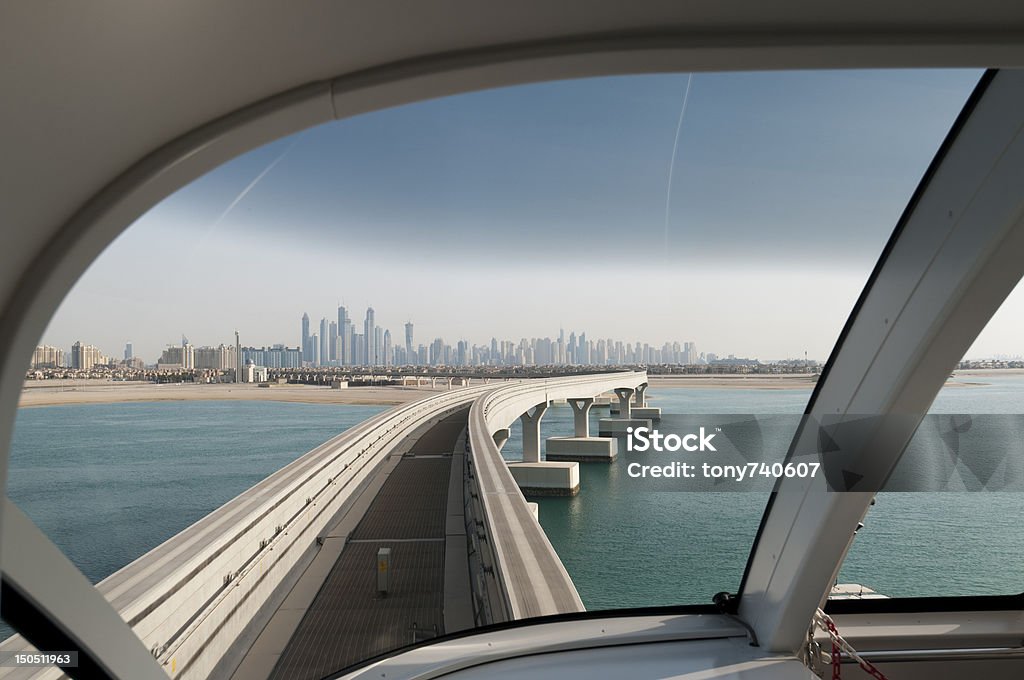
(627, 547)
(108, 482)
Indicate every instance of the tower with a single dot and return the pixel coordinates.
(325, 343)
(345, 357)
(306, 349)
(238, 356)
(370, 335)
(409, 356)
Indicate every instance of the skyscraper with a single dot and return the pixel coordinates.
(409, 355)
(370, 335)
(332, 348)
(387, 348)
(84, 357)
(238, 351)
(325, 343)
(129, 353)
(314, 348)
(344, 338)
(307, 354)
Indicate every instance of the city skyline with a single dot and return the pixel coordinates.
(520, 210)
(348, 348)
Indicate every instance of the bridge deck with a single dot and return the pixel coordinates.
(347, 621)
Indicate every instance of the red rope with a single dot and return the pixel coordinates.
(837, 657)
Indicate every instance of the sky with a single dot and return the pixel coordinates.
(515, 212)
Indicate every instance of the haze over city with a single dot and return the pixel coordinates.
(516, 212)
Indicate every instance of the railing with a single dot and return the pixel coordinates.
(530, 576)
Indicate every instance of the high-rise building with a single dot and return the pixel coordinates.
(358, 349)
(129, 352)
(277, 356)
(188, 354)
(332, 348)
(47, 356)
(307, 354)
(387, 348)
(409, 355)
(314, 348)
(378, 346)
(220, 358)
(344, 337)
(238, 352)
(690, 353)
(84, 357)
(370, 336)
(324, 356)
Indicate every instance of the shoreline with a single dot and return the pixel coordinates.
(105, 392)
(75, 392)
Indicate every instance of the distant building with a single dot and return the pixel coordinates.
(332, 348)
(47, 356)
(277, 356)
(324, 355)
(255, 374)
(172, 358)
(410, 356)
(219, 358)
(370, 337)
(129, 352)
(84, 357)
(307, 349)
(344, 337)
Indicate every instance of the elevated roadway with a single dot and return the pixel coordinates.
(200, 599)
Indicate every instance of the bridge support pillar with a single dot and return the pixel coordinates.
(450, 383)
(531, 433)
(624, 394)
(640, 396)
(581, 415)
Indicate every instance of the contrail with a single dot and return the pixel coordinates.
(672, 163)
(251, 185)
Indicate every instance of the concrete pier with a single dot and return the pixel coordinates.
(547, 479)
(617, 426)
(581, 449)
(501, 437)
(651, 412)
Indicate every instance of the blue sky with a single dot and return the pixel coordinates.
(511, 212)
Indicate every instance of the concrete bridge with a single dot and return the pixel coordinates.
(219, 599)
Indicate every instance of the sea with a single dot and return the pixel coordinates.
(108, 482)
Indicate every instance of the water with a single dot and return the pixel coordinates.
(626, 547)
(108, 482)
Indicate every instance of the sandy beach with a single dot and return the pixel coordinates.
(57, 393)
(53, 393)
